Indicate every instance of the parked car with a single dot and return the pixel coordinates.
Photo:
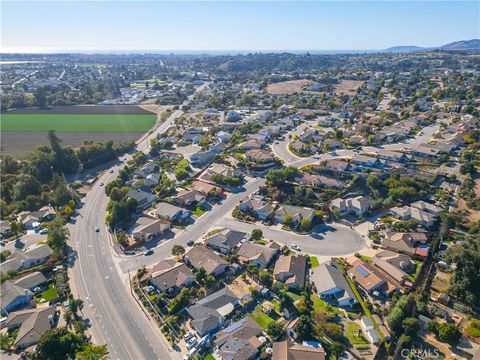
(149, 252)
(191, 343)
(44, 231)
(295, 247)
(188, 336)
(190, 243)
(101, 184)
(110, 171)
(97, 229)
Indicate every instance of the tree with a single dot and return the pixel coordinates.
(304, 327)
(466, 257)
(57, 236)
(92, 352)
(58, 343)
(178, 250)
(448, 333)
(257, 234)
(201, 276)
(305, 223)
(275, 330)
(266, 278)
(16, 228)
(26, 185)
(410, 326)
(288, 220)
(40, 97)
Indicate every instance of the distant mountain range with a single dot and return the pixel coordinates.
(472, 45)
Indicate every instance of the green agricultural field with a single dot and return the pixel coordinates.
(77, 122)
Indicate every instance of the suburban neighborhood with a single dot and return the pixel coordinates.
(279, 206)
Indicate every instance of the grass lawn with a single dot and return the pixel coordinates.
(314, 262)
(199, 211)
(321, 304)
(294, 296)
(48, 294)
(473, 328)
(418, 266)
(209, 357)
(77, 122)
(351, 332)
(260, 317)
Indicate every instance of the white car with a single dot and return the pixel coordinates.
(295, 247)
(187, 336)
(101, 184)
(110, 171)
(44, 231)
(191, 343)
(97, 229)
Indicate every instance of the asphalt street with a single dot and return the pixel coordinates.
(116, 318)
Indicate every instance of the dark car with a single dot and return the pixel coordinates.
(149, 252)
(190, 243)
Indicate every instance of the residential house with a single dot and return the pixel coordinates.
(366, 279)
(144, 199)
(297, 213)
(401, 261)
(291, 270)
(391, 155)
(360, 162)
(5, 229)
(288, 350)
(392, 271)
(239, 340)
(13, 297)
(170, 212)
(201, 257)
(358, 205)
(338, 165)
(31, 324)
(202, 158)
(208, 314)
(260, 208)
(404, 242)
(260, 157)
(188, 198)
(251, 145)
(206, 189)
(223, 170)
(225, 241)
(259, 255)
(332, 144)
(146, 228)
(223, 136)
(331, 286)
(317, 181)
(33, 256)
(170, 275)
(147, 169)
(31, 220)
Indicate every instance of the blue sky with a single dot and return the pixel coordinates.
(249, 25)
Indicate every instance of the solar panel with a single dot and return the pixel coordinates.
(364, 273)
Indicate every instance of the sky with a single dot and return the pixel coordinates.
(55, 26)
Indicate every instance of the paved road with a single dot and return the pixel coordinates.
(281, 149)
(192, 232)
(338, 240)
(116, 318)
